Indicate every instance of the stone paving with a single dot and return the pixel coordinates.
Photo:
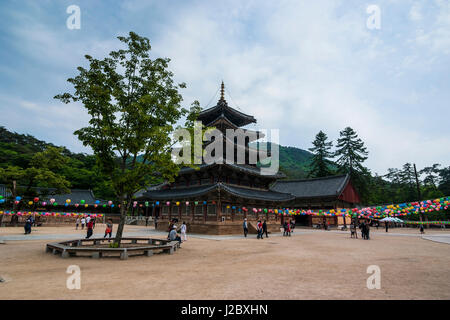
(443, 238)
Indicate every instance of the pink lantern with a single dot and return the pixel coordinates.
(52, 200)
(44, 203)
(110, 202)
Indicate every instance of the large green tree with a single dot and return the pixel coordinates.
(320, 163)
(134, 106)
(351, 153)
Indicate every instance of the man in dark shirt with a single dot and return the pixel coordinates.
(264, 226)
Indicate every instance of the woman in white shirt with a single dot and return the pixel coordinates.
(183, 232)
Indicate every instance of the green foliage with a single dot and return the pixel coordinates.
(320, 163)
(134, 106)
(351, 153)
(80, 170)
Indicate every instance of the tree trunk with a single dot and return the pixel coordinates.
(123, 213)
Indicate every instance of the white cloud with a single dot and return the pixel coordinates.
(415, 13)
(297, 66)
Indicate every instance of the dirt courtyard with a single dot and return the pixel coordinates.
(308, 265)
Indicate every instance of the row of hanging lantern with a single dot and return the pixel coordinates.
(426, 206)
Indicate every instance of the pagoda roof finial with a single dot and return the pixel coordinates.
(222, 91)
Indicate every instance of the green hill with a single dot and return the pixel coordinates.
(18, 149)
(294, 162)
(81, 170)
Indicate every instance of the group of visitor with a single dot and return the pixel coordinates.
(363, 226)
(288, 228)
(84, 221)
(89, 222)
(365, 230)
(261, 229)
(173, 234)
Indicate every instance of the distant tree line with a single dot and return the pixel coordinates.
(396, 186)
(31, 163)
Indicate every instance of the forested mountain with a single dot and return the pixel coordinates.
(82, 172)
(17, 150)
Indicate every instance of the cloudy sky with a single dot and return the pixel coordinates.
(299, 66)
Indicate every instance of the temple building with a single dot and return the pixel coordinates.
(333, 192)
(215, 198)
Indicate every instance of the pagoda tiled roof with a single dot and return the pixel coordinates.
(240, 167)
(237, 118)
(190, 192)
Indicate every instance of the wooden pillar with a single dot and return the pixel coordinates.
(219, 209)
(205, 211)
(192, 208)
(170, 211)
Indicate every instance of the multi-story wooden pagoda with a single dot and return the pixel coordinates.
(215, 198)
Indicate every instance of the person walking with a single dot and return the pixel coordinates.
(259, 229)
(288, 226)
(353, 232)
(421, 229)
(83, 222)
(89, 227)
(109, 227)
(368, 231)
(28, 224)
(264, 226)
(77, 223)
(245, 226)
(285, 229)
(183, 231)
(156, 222)
(387, 226)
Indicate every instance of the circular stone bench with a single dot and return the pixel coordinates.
(86, 247)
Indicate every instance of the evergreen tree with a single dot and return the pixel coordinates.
(351, 153)
(320, 163)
